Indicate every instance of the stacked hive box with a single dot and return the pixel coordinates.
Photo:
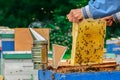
(17, 65)
(18, 41)
(6, 42)
(88, 41)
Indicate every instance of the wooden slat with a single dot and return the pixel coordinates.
(110, 66)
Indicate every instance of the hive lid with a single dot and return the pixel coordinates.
(23, 38)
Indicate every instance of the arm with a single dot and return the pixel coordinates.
(116, 17)
(101, 8)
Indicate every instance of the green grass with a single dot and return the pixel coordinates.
(66, 56)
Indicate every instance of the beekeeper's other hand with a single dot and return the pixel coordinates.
(109, 20)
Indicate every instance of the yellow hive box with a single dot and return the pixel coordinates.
(1, 77)
(88, 41)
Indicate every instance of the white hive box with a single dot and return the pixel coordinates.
(18, 68)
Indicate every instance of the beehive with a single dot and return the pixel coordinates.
(88, 41)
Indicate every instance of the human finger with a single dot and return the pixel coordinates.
(109, 22)
(69, 17)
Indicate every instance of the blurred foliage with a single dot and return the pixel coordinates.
(61, 28)
(113, 31)
(51, 13)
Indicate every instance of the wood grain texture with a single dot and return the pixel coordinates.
(23, 38)
(58, 53)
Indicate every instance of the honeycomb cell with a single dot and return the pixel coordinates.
(88, 41)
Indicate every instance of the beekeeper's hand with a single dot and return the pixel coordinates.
(109, 20)
(75, 15)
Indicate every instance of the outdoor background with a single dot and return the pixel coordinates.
(46, 14)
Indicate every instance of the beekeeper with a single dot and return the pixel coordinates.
(106, 9)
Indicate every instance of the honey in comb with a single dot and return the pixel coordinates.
(89, 38)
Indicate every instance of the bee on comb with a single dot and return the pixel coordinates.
(88, 40)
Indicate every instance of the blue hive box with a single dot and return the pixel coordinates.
(48, 75)
(112, 46)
